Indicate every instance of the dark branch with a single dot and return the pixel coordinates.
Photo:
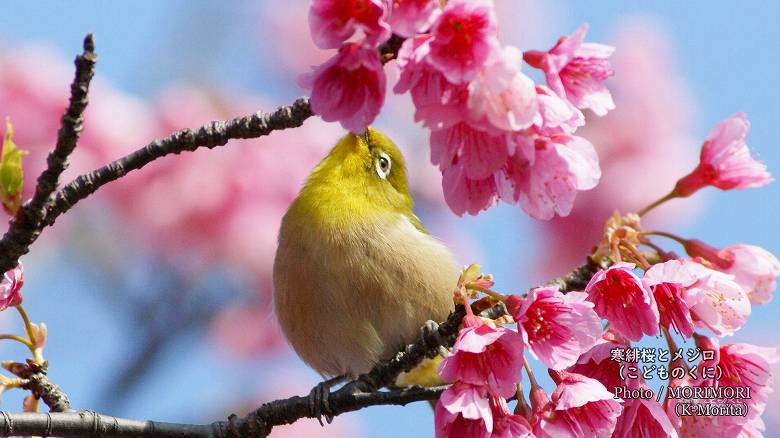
(91, 424)
(18, 239)
(37, 381)
(25, 227)
(578, 278)
(210, 135)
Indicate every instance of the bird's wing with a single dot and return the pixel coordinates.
(416, 222)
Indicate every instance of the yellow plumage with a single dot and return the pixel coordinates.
(356, 275)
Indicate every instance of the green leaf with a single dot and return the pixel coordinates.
(11, 171)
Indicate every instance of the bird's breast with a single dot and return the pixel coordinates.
(349, 296)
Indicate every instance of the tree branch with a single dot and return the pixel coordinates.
(92, 424)
(22, 234)
(210, 135)
(578, 278)
(37, 381)
(25, 227)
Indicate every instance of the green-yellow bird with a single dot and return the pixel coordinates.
(356, 275)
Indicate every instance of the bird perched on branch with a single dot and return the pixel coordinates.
(356, 275)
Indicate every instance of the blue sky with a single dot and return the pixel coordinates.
(729, 53)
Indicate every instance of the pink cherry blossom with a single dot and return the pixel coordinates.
(643, 418)
(667, 281)
(651, 128)
(598, 362)
(408, 17)
(753, 268)
(464, 195)
(438, 103)
(487, 356)
(464, 39)
(332, 22)
(577, 70)
(557, 328)
(620, 297)
(348, 88)
(725, 161)
(501, 97)
(463, 410)
(556, 113)
(579, 407)
(742, 366)
(716, 301)
(480, 153)
(506, 424)
(11, 287)
(562, 166)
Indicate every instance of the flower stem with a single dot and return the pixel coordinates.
(531, 377)
(660, 251)
(672, 346)
(36, 351)
(670, 195)
(497, 295)
(674, 237)
(16, 338)
(638, 255)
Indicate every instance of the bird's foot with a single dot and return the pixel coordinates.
(318, 399)
(431, 329)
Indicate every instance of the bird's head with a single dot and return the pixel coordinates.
(362, 173)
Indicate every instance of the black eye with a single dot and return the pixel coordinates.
(382, 165)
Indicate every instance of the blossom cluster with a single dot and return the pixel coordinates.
(495, 134)
(638, 293)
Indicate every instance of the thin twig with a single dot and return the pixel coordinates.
(25, 227)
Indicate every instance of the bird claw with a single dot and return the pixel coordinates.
(431, 328)
(319, 405)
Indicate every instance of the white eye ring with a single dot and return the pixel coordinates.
(382, 164)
